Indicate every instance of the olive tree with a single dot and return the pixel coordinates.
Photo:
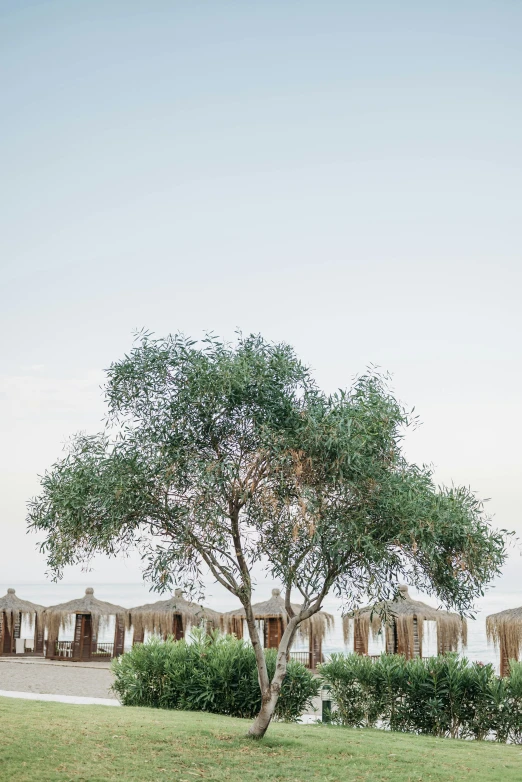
(216, 457)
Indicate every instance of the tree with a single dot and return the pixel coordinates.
(219, 456)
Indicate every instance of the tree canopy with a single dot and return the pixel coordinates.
(217, 456)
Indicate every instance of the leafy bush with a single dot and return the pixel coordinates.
(442, 696)
(211, 673)
(513, 703)
(354, 688)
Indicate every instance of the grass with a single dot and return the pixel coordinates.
(53, 741)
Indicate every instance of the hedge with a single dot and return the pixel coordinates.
(211, 673)
(442, 696)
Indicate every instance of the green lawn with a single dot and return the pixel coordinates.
(52, 741)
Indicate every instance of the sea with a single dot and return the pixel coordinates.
(133, 594)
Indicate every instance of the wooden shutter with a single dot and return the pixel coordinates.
(3, 631)
(38, 636)
(77, 642)
(315, 649)
(89, 638)
(417, 646)
(7, 647)
(119, 637)
(391, 638)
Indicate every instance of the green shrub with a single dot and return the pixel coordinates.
(212, 673)
(355, 689)
(514, 703)
(441, 696)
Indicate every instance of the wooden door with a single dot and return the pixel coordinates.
(177, 628)
(273, 632)
(87, 638)
(82, 644)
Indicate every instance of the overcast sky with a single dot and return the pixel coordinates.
(343, 176)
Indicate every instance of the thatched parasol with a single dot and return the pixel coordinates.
(505, 630)
(404, 620)
(158, 617)
(274, 608)
(12, 606)
(56, 617)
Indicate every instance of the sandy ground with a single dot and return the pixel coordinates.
(56, 678)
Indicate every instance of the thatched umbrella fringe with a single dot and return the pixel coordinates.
(400, 614)
(12, 606)
(159, 622)
(505, 630)
(274, 608)
(62, 620)
(56, 618)
(157, 618)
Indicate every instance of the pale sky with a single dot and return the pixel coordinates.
(342, 176)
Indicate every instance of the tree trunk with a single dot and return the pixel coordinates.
(258, 649)
(269, 701)
(270, 692)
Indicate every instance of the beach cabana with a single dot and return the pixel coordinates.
(403, 620)
(173, 616)
(90, 615)
(13, 611)
(272, 618)
(505, 630)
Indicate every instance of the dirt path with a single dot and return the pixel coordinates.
(55, 678)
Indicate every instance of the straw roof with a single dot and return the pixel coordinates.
(274, 608)
(13, 605)
(400, 613)
(505, 630)
(57, 616)
(157, 617)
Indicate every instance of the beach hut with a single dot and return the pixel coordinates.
(505, 630)
(403, 619)
(272, 619)
(90, 616)
(171, 617)
(13, 611)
